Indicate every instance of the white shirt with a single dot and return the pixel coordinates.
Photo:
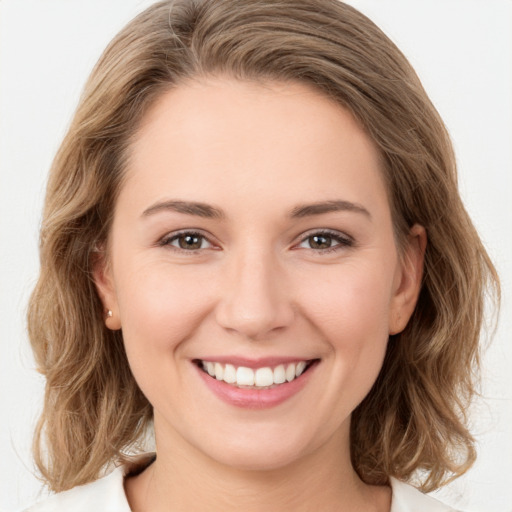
(107, 495)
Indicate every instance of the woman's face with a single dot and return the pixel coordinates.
(253, 238)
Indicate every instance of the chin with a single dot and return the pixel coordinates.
(257, 460)
(263, 452)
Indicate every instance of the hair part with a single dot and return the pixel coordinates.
(414, 418)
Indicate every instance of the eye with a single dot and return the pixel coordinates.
(186, 241)
(325, 241)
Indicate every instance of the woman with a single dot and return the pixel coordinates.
(253, 239)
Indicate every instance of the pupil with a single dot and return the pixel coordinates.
(190, 242)
(320, 242)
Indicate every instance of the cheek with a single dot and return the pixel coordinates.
(349, 301)
(350, 310)
(160, 306)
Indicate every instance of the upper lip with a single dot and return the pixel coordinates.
(259, 362)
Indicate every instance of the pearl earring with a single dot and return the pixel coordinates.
(109, 313)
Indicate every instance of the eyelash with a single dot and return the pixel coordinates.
(342, 241)
(168, 239)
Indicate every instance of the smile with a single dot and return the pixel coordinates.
(255, 378)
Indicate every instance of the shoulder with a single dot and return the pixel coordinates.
(407, 498)
(105, 495)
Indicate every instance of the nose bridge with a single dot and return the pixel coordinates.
(254, 300)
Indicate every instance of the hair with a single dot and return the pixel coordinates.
(414, 420)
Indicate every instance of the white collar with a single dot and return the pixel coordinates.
(107, 494)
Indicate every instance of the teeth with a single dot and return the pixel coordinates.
(230, 374)
(210, 368)
(219, 371)
(262, 377)
(298, 370)
(290, 372)
(244, 376)
(279, 374)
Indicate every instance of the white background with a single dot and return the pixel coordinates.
(462, 50)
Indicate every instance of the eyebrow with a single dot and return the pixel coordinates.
(327, 207)
(187, 207)
(211, 212)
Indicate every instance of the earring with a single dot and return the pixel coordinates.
(111, 322)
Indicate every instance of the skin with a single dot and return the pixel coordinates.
(257, 286)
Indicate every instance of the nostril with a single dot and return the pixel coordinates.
(254, 319)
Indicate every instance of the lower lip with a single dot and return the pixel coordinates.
(256, 398)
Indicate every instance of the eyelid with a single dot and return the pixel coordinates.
(165, 241)
(344, 240)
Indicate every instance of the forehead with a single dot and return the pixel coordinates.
(220, 137)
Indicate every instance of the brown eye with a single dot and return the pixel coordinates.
(187, 241)
(320, 241)
(190, 241)
(326, 241)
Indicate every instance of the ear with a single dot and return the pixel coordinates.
(408, 280)
(105, 286)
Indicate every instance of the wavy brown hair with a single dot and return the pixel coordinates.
(414, 418)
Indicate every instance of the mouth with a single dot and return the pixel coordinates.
(266, 377)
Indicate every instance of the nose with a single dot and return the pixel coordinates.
(254, 300)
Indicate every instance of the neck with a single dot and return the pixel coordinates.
(184, 479)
